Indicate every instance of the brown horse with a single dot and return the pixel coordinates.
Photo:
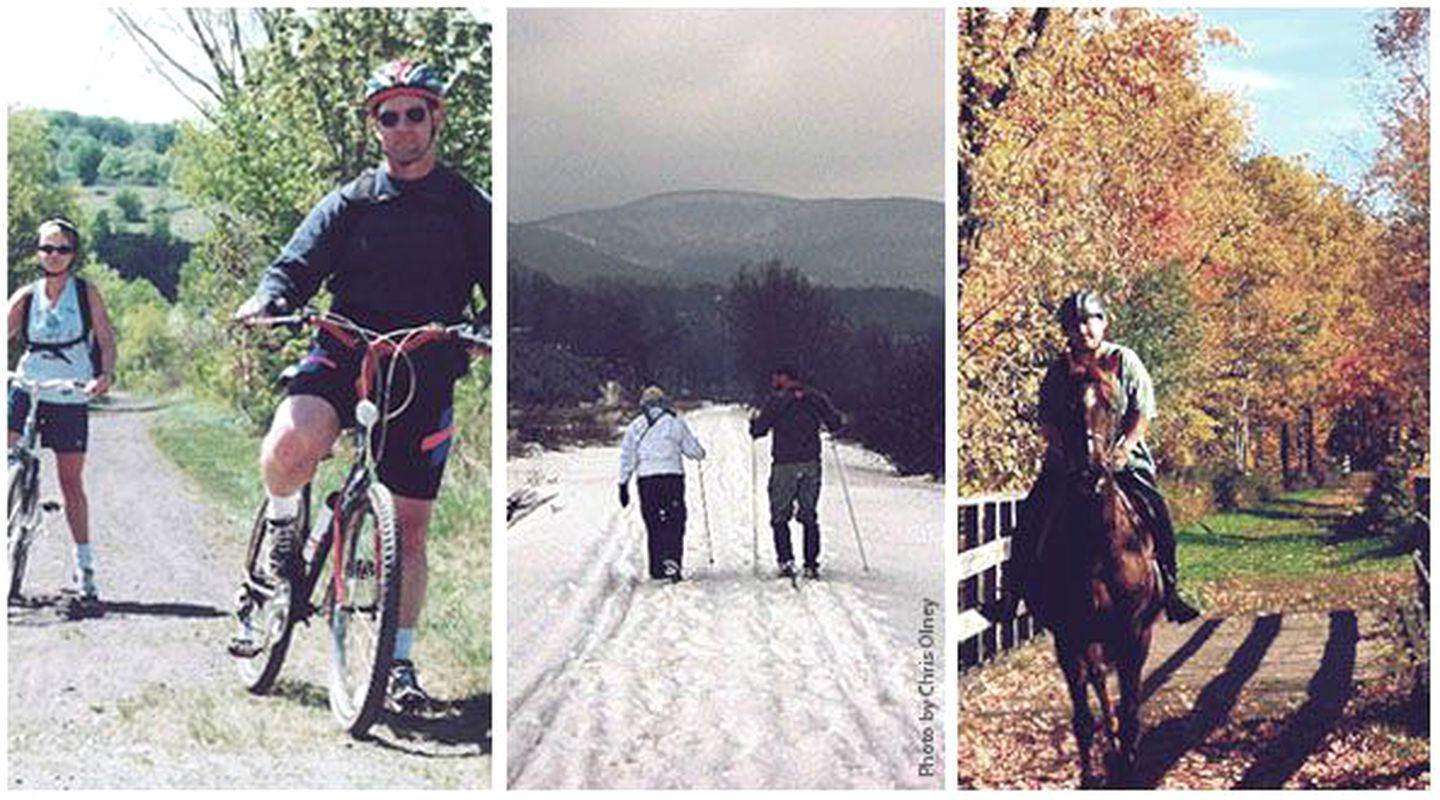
(1097, 588)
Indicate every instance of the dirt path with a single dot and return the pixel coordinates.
(143, 695)
(1284, 699)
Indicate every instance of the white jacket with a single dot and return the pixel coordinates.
(655, 448)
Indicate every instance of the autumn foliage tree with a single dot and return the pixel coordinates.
(1395, 369)
(1093, 155)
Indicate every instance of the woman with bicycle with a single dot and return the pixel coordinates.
(60, 325)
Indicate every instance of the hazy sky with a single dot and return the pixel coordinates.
(610, 106)
(1309, 78)
(80, 59)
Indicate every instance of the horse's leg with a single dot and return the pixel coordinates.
(1082, 723)
(1109, 724)
(1096, 671)
(1130, 666)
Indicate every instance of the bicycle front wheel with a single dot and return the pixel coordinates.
(23, 489)
(363, 601)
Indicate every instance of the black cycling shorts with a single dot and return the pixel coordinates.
(411, 448)
(63, 427)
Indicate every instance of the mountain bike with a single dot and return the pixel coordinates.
(354, 529)
(23, 488)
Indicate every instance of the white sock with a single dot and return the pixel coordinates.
(404, 640)
(84, 556)
(283, 507)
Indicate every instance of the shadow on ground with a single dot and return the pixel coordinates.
(456, 725)
(42, 610)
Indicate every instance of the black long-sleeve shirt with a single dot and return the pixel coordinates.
(396, 253)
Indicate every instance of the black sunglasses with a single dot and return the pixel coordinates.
(415, 114)
(62, 249)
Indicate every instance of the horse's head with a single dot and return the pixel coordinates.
(1090, 429)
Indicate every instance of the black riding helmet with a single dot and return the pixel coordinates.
(1079, 307)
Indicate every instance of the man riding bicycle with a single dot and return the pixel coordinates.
(399, 246)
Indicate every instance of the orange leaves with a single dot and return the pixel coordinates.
(1109, 159)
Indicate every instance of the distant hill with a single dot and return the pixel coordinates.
(570, 261)
(899, 310)
(690, 237)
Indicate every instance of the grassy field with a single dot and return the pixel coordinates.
(1291, 536)
(219, 450)
(185, 222)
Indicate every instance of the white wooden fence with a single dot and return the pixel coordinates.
(986, 523)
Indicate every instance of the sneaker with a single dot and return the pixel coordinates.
(405, 693)
(812, 572)
(285, 545)
(671, 571)
(82, 582)
(787, 569)
(245, 641)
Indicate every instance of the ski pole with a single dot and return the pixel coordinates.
(705, 510)
(845, 487)
(754, 513)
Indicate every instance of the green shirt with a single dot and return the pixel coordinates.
(1137, 391)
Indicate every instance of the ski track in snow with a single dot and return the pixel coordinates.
(732, 678)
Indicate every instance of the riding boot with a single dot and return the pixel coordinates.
(1176, 609)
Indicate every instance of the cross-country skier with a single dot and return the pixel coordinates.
(652, 448)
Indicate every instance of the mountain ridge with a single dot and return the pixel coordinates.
(705, 235)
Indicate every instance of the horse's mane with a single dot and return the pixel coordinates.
(1101, 370)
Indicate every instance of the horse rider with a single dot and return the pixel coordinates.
(1084, 320)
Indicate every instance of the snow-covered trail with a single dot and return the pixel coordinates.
(732, 678)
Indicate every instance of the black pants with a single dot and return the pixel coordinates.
(1039, 510)
(662, 504)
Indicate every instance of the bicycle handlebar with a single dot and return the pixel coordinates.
(33, 385)
(467, 332)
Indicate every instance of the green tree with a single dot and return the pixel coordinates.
(33, 190)
(132, 208)
(285, 127)
(88, 156)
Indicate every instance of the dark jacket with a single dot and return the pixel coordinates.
(395, 253)
(795, 415)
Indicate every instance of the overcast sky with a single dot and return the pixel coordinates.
(611, 106)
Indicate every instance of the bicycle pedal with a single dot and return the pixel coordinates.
(50, 506)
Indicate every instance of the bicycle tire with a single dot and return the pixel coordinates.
(362, 628)
(277, 618)
(23, 490)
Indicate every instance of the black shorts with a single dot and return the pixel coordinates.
(64, 427)
(411, 448)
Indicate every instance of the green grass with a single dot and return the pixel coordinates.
(218, 448)
(1291, 536)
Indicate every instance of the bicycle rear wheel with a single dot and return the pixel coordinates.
(363, 612)
(23, 490)
(275, 603)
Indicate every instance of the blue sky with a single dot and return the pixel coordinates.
(1309, 78)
